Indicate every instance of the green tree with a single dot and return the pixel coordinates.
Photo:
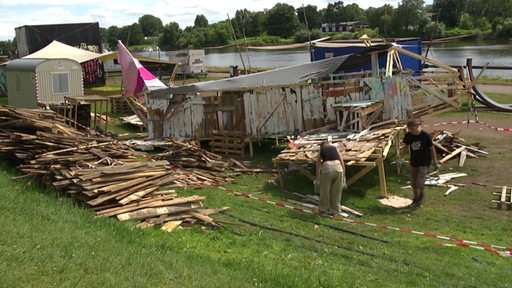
(112, 35)
(131, 35)
(241, 23)
(407, 19)
(219, 34)
(504, 28)
(435, 30)
(256, 25)
(475, 8)
(449, 11)
(490, 9)
(247, 23)
(310, 14)
(201, 21)
(333, 14)
(150, 25)
(8, 48)
(282, 21)
(353, 12)
(380, 18)
(170, 37)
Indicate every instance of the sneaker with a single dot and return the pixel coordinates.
(412, 203)
(339, 214)
(415, 205)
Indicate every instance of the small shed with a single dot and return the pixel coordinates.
(32, 82)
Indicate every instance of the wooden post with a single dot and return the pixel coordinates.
(251, 150)
(382, 176)
(397, 149)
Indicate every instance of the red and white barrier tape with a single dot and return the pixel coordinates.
(494, 251)
(467, 242)
(468, 122)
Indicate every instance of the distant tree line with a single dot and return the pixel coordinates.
(283, 22)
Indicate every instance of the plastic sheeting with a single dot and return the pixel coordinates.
(278, 77)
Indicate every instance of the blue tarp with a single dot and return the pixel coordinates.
(321, 51)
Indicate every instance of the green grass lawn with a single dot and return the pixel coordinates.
(49, 240)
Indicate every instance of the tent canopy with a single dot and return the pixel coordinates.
(56, 50)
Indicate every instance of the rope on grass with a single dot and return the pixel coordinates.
(307, 237)
(468, 122)
(494, 251)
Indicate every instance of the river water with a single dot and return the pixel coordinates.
(453, 53)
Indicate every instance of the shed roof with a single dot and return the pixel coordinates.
(24, 64)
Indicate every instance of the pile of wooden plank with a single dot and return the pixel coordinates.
(450, 145)
(188, 156)
(99, 171)
(354, 148)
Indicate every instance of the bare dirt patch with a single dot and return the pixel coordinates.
(492, 169)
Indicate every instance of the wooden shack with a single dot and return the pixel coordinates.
(301, 98)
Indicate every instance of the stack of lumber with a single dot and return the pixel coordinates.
(189, 158)
(450, 145)
(100, 172)
(354, 148)
(189, 155)
(192, 158)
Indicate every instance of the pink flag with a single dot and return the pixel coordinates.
(136, 78)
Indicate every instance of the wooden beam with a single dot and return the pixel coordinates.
(457, 151)
(435, 93)
(306, 172)
(382, 177)
(359, 174)
(419, 57)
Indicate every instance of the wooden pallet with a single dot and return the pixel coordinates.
(230, 143)
(120, 106)
(505, 197)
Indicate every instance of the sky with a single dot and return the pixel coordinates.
(16, 13)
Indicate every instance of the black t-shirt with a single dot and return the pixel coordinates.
(419, 148)
(329, 153)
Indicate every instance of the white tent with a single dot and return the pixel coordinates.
(58, 50)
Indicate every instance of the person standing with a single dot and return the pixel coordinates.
(330, 175)
(421, 152)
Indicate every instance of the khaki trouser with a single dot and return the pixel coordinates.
(332, 181)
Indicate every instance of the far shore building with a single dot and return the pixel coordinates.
(344, 26)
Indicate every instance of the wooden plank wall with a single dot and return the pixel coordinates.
(312, 108)
(280, 111)
(397, 100)
(187, 121)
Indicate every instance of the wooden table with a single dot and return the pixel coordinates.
(76, 100)
(357, 116)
